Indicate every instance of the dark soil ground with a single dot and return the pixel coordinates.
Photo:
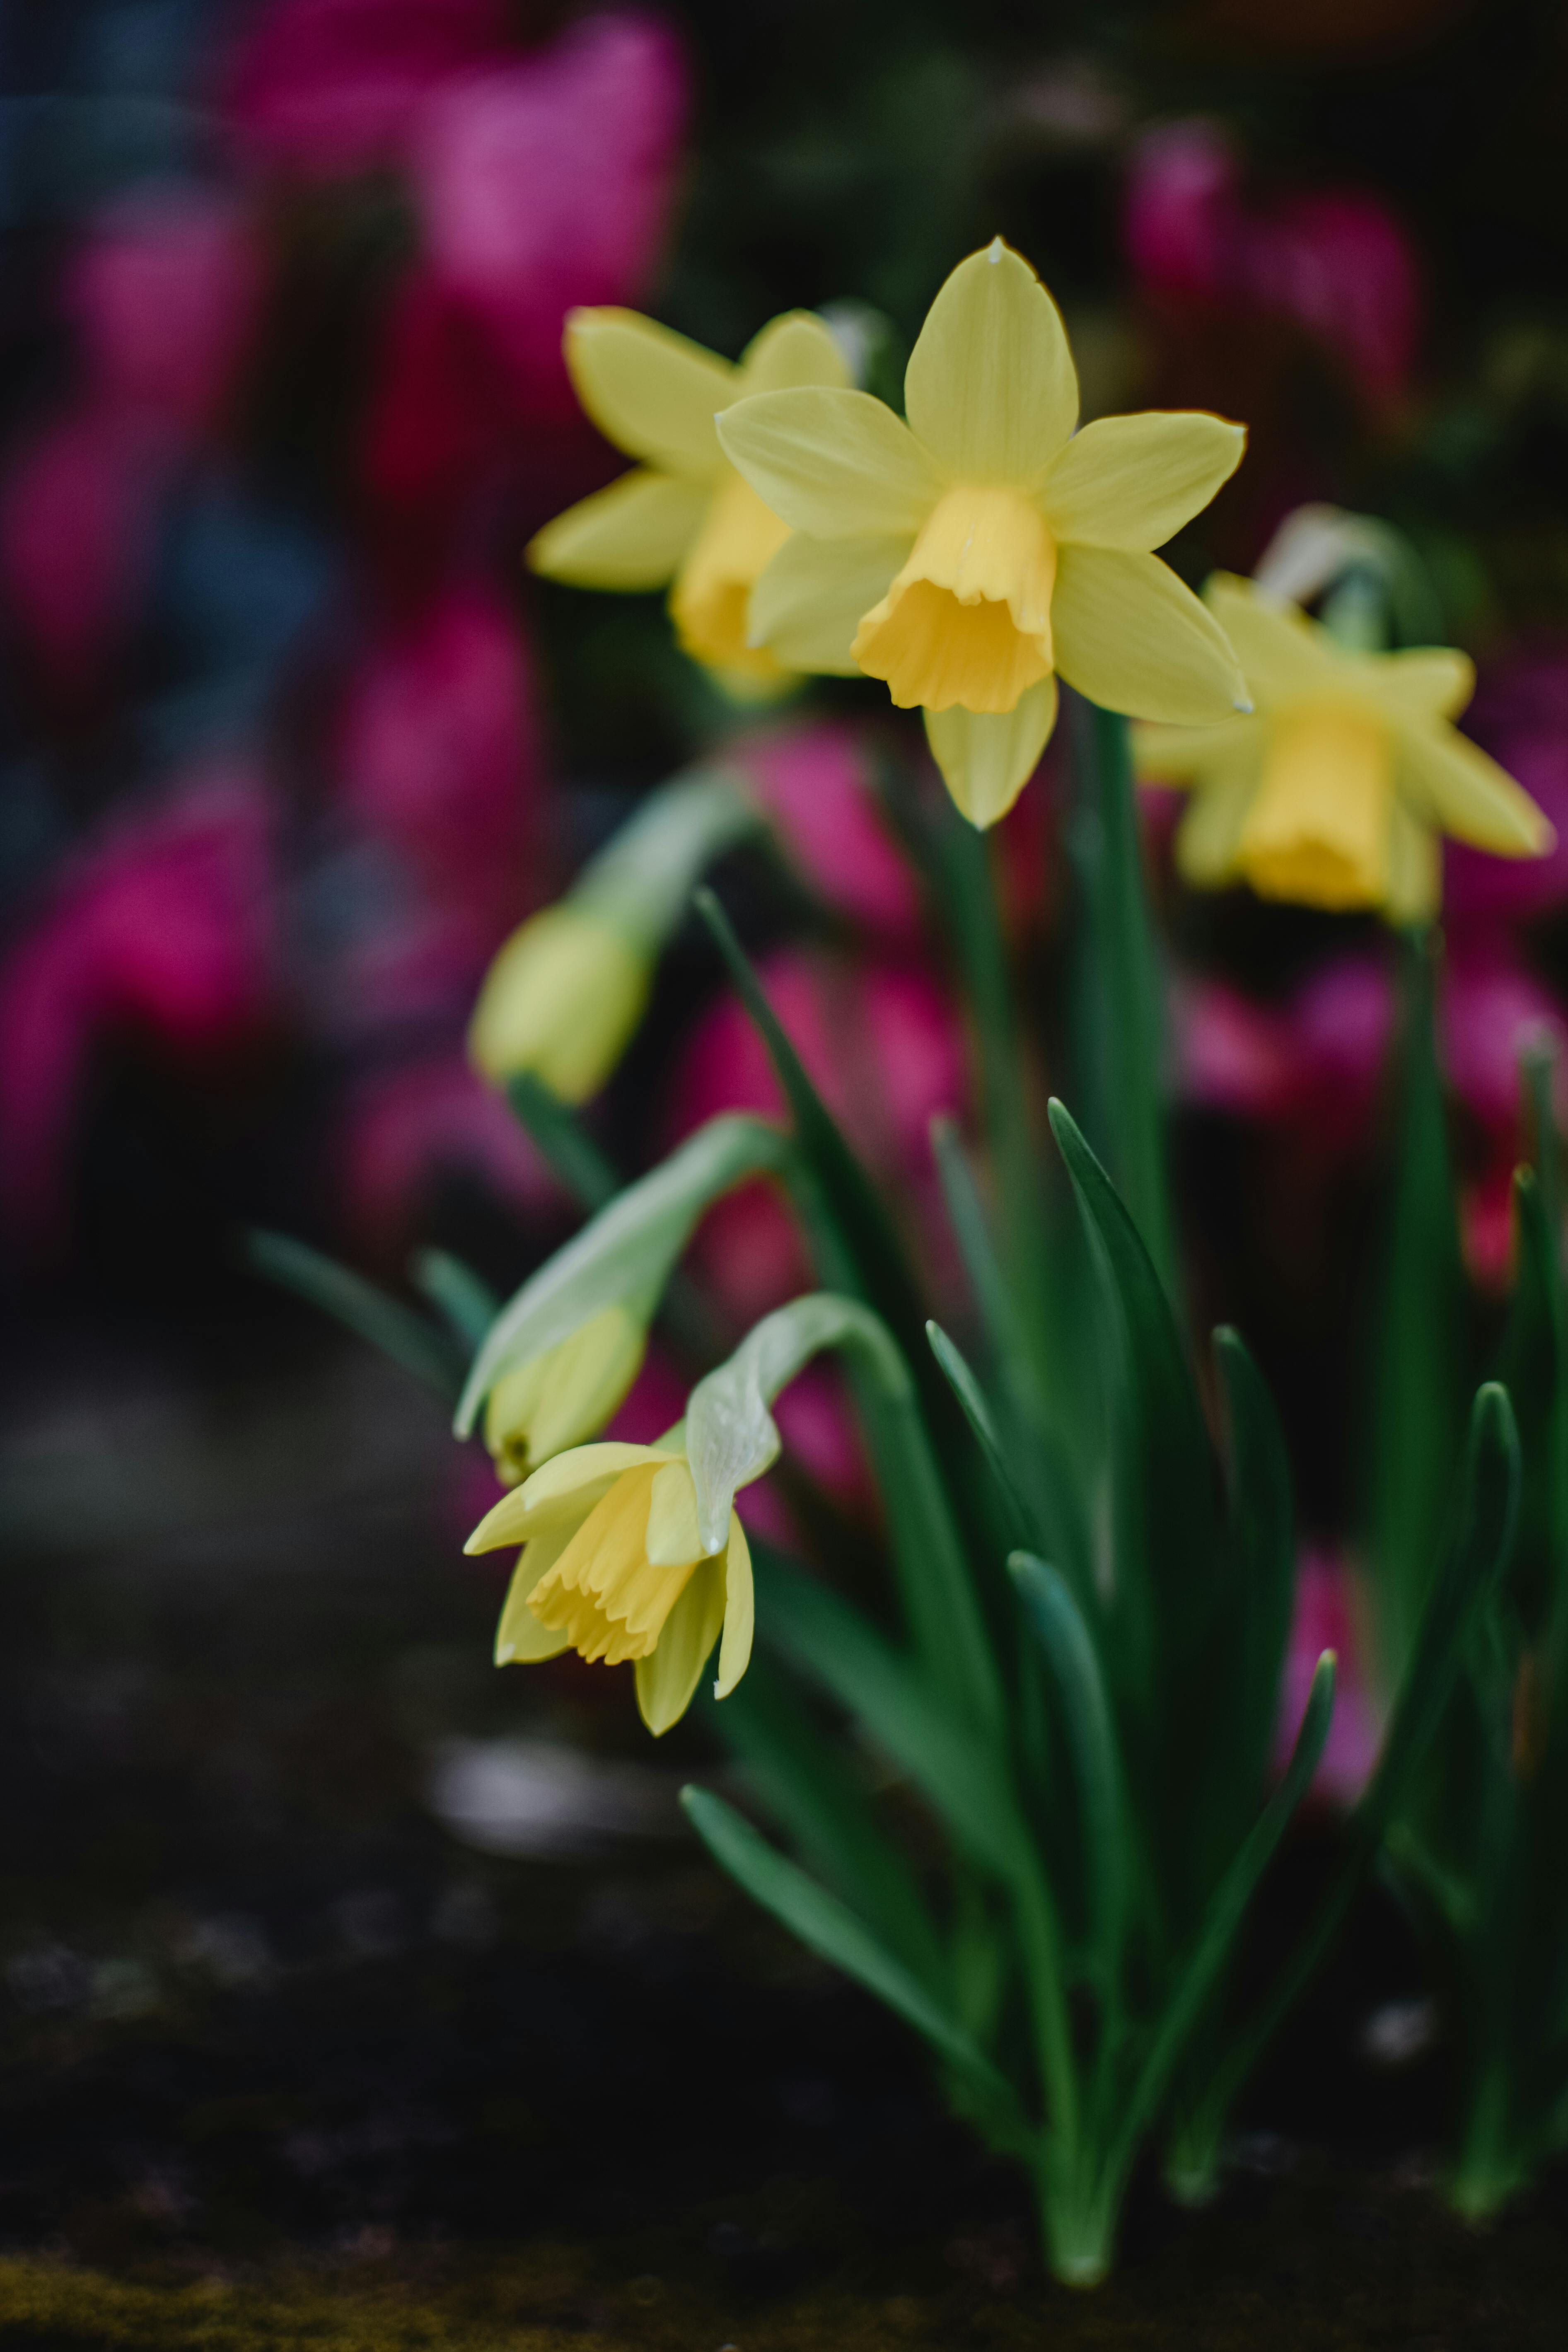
(284, 2061)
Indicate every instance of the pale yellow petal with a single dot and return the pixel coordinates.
(1208, 839)
(561, 1491)
(987, 757)
(1281, 652)
(521, 1639)
(648, 389)
(1317, 833)
(666, 1679)
(991, 389)
(1429, 681)
(968, 619)
(1454, 785)
(1186, 755)
(672, 1539)
(1132, 638)
(1134, 481)
(740, 1611)
(1414, 868)
(629, 536)
(814, 594)
(837, 464)
(797, 349)
(708, 602)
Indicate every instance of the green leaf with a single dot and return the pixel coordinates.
(469, 1303)
(562, 1142)
(429, 1354)
(826, 1926)
(957, 1770)
(808, 1787)
(1104, 1831)
(627, 1252)
(977, 1412)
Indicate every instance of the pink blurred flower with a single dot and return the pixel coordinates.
(438, 752)
(78, 514)
(816, 785)
(326, 87)
(164, 925)
(403, 1133)
(1314, 1062)
(1520, 716)
(1333, 261)
(164, 293)
(1328, 1617)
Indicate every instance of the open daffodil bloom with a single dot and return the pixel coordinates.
(683, 516)
(970, 555)
(612, 1567)
(1335, 792)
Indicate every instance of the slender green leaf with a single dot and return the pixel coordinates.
(977, 1412)
(826, 1926)
(431, 1355)
(1068, 1648)
(469, 1303)
(562, 1142)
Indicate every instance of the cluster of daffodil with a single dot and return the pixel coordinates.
(1078, 1677)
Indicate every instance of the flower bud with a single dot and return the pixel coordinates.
(564, 1396)
(561, 1000)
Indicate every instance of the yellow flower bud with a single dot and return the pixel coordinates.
(561, 1000)
(560, 1398)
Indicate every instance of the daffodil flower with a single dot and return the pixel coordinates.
(972, 556)
(1335, 792)
(556, 1400)
(683, 516)
(562, 999)
(613, 1566)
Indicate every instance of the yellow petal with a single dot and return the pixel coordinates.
(1282, 653)
(1430, 681)
(553, 1402)
(672, 1539)
(1208, 839)
(713, 589)
(1129, 636)
(837, 464)
(1134, 481)
(1186, 755)
(1414, 868)
(561, 1493)
(629, 536)
(1453, 783)
(740, 1611)
(797, 349)
(562, 998)
(667, 1678)
(991, 389)
(968, 619)
(1318, 828)
(814, 594)
(648, 390)
(521, 1639)
(987, 758)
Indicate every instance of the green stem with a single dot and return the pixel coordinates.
(1490, 2170)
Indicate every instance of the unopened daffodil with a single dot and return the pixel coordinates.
(612, 1567)
(682, 516)
(1336, 790)
(555, 1400)
(972, 556)
(561, 1000)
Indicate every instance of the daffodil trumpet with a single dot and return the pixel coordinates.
(1336, 790)
(683, 518)
(970, 555)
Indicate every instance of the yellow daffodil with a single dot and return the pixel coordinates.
(555, 1400)
(612, 1567)
(561, 1000)
(972, 556)
(683, 515)
(1335, 792)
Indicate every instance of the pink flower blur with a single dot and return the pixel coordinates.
(1520, 716)
(164, 294)
(164, 926)
(405, 1133)
(816, 785)
(1327, 1618)
(77, 521)
(1333, 261)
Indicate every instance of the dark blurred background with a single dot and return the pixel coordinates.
(311, 1924)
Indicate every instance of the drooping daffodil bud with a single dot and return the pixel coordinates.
(614, 1566)
(557, 1399)
(564, 994)
(683, 516)
(1336, 790)
(970, 555)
